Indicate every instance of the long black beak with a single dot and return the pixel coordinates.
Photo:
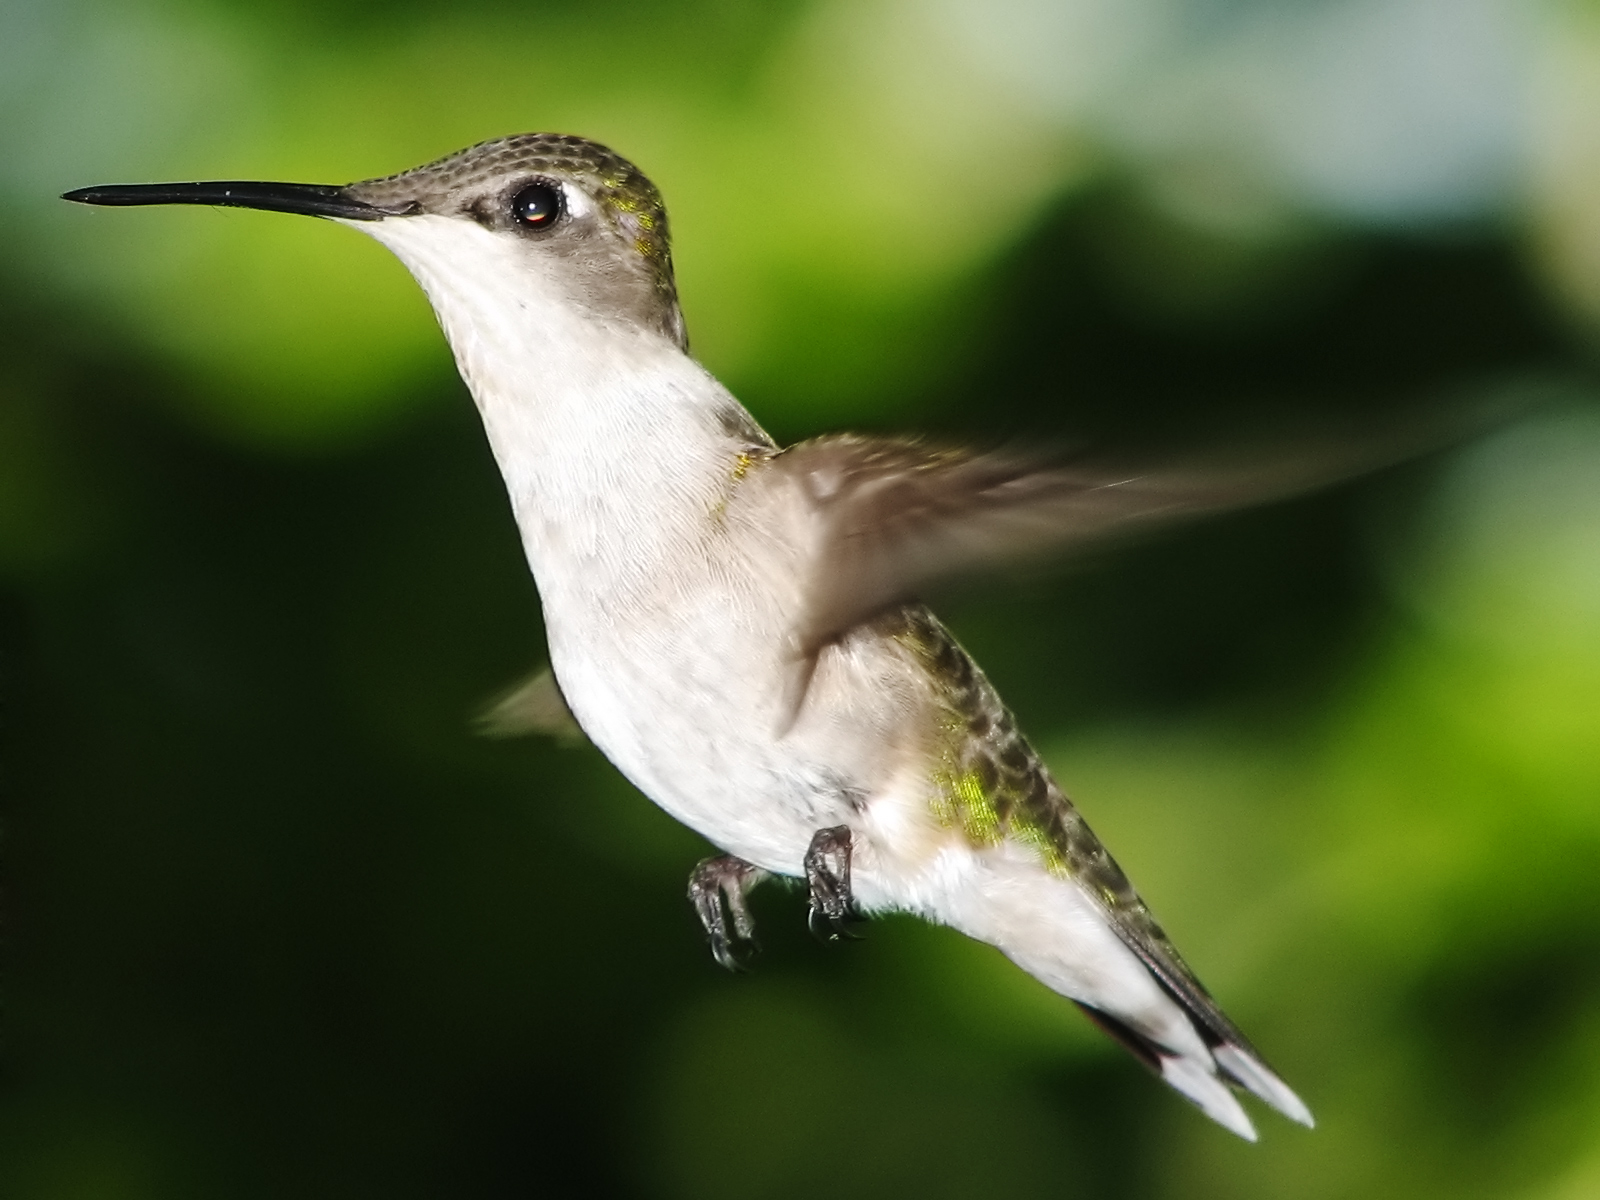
(309, 199)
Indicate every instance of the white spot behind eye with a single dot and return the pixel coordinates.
(577, 201)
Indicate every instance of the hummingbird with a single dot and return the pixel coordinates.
(738, 625)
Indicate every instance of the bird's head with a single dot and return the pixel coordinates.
(524, 221)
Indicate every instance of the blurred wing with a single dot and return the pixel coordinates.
(534, 706)
(893, 517)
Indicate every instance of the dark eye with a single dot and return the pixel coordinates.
(536, 206)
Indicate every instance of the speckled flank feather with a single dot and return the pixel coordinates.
(627, 197)
(992, 786)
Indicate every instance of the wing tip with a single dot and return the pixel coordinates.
(533, 706)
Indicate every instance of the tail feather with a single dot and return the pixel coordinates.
(1230, 1052)
(1250, 1073)
(1199, 1083)
(1125, 975)
(1196, 1078)
(1237, 1059)
(1130, 1039)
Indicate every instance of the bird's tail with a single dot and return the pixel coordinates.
(1131, 984)
(1200, 1078)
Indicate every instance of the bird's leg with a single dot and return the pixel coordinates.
(833, 909)
(717, 888)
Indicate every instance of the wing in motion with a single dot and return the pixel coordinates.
(533, 706)
(892, 517)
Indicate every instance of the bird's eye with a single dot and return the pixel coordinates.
(536, 206)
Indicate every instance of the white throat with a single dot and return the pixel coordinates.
(614, 444)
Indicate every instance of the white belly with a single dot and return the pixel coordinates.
(689, 704)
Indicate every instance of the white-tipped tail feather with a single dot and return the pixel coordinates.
(1053, 930)
(1198, 1082)
(1252, 1074)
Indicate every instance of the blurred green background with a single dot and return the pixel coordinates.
(277, 924)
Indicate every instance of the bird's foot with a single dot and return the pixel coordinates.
(717, 888)
(833, 908)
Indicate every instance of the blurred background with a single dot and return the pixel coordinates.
(278, 924)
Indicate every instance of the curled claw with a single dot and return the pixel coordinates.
(717, 889)
(833, 909)
(834, 929)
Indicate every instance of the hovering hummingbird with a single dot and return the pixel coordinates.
(735, 624)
